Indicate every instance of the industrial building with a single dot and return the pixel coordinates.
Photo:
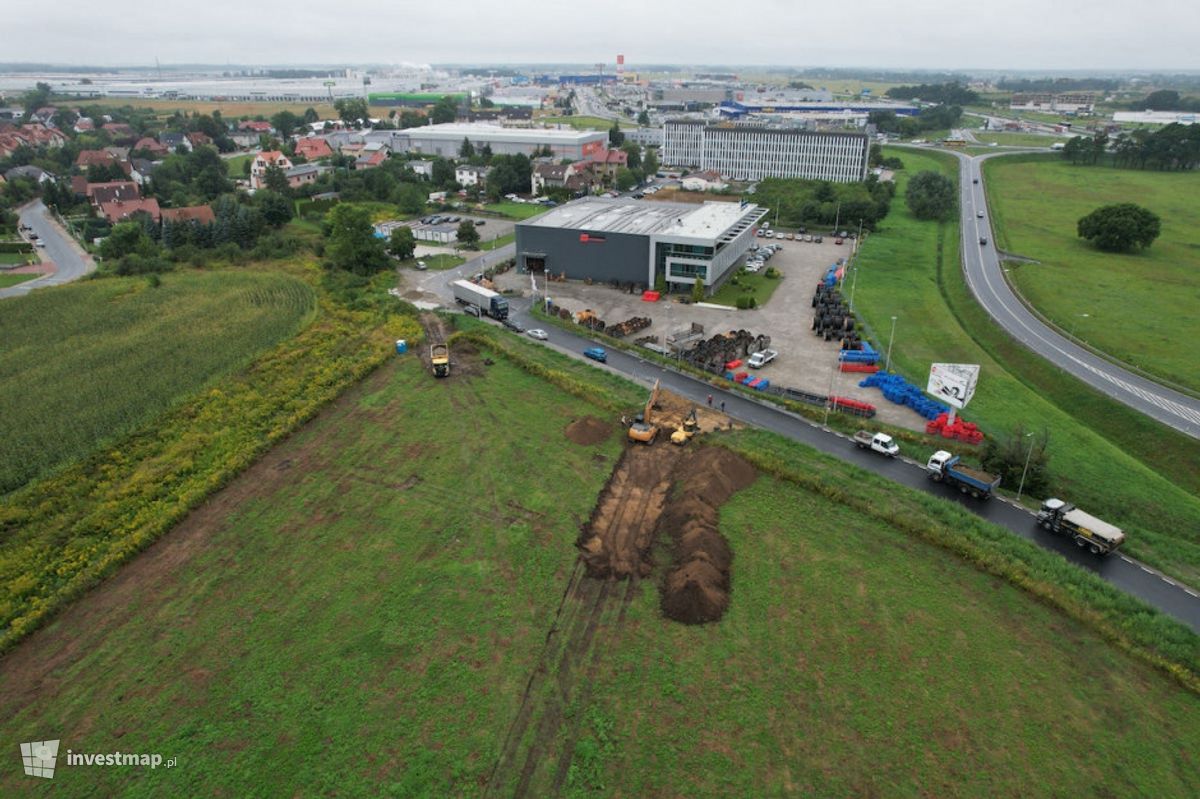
(1070, 103)
(738, 108)
(745, 152)
(637, 241)
(446, 140)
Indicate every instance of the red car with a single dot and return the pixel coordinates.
(838, 240)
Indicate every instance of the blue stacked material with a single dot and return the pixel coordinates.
(729, 375)
(763, 384)
(866, 355)
(830, 278)
(746, 380)
(898, 390)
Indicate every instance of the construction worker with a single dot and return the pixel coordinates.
(710, 400)
(722, 406)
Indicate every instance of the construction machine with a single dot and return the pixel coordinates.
(643, 429)
(689, 428)
(439, 359)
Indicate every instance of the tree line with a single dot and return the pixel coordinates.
(802, 202)
(1171, 147)
(941, 93)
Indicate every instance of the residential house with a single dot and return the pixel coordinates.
(173, 140)
(423, 168)
(84, 125)
(147, 144)
(121, 210)
(303, 174)
(119, 153)
(45, 114)
(33, 135)
(255, 126)
(708, 180)
(244, 138)
(263, 160)
(200, 214)
(79, 184)
(468, 175)
(87, 158)
(141, 170)
(313, 149)
(577, 177)
(111, 191)
(31, 172)
(198, 139)
(371, 160)
(605, 163)
(120, 132)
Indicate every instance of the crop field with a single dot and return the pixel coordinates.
(90, 362)
(391, 602)
(1102, 457)
(229, 110)
(1138, 307)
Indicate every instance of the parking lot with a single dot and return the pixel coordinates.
(441, 236)
(805, 361)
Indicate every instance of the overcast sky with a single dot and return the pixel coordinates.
(936, 34)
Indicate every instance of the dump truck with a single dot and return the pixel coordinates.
(946, 468)
(1086, 530)
(439, 359)
(878, 442)
(643, 430)
(486, 301)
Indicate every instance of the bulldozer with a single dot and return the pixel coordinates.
(439, 359)
(683, 434)
(643, 429)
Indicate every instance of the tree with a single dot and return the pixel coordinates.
(275, 207)
(402, 243)
(931, 195)
(351, 242)
(311, 116)
(1120, 227)
(650, 162)
(466, 150)
(442, 173)
(698, 290)
(468, 236)
(126, 238)
(633, 155)
(286, 122)
(485, 152)
(276, 180)
(1007, 456)
(444, 110)
(643, 118)
(615, 137)
(626, 180)
(37, 98)
(409, 198)
(351, 109)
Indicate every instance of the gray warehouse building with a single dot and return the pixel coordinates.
(635, 241)
(446, 139)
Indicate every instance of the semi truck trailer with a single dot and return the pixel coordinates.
(946, 468)
(489, 303)
(1086, 530)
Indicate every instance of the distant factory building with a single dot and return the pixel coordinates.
(637, 241)
(446, 140)
(745, 152)
(1073, 103)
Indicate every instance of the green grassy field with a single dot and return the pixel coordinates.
(1019, 139)
(81, 379)
(361, 612)
(756, 285)
(17, 258)
(1138, 307)
(585, 122)
(236, 165)
(441, 260)
(515, 210)
(8, 279)
(1100, 469)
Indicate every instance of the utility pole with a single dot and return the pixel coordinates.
(1025, 471)
(891, 340)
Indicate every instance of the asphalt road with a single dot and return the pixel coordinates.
(61, 249)
(987, 283)
(1155, 589)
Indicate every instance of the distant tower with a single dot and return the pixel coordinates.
(620, 67)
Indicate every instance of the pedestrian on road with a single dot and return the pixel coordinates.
(722, 406)
(710, 400)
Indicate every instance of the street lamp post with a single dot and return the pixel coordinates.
(829, 396)
(1025, 471)
(888, 368)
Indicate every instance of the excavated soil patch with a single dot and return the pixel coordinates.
(696, 590)
(588, 431)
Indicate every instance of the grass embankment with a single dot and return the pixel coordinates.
(1019, 139)
(1138, 307)
(912, 269)
(7, 279)
(749, 284)
(93, 361)
(61, 534)
(514, 210)
(377, 593)
(586, 122)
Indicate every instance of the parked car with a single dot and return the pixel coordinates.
(791, 237)
(839, 240)
(537, 333)
(638, 196)
(513, 326)
(596, 354)
(480, 222)
(422, 266)
(808, 237)
(39, 243)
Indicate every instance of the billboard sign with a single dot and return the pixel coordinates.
(953, 383)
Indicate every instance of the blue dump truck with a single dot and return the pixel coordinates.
(488, 302)
(946, 468)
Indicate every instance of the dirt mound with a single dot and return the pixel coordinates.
(692, 594)
(588, 431)
(697, 588)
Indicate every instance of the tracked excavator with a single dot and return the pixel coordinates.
(643, 429)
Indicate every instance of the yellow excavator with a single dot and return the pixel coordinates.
(683, 434)
(439, 359)
(643, 429)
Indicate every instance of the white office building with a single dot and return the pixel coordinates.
(745, 152)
